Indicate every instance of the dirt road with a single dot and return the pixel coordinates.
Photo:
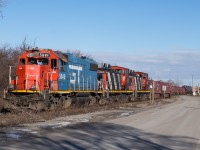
(172, 126)
(177, 123)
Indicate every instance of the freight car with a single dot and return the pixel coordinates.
(188, 89)
(47, 79)
(160, 89)
(164, 89)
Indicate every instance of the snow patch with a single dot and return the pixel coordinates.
(61, 124)
(84, 120)
(13, 135)
(25, 130)
(124, 114)
(122, 107)
(33, 132)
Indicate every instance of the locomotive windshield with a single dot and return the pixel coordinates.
(38, 61)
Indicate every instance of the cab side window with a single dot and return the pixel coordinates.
(42, 61)
(62, 64)
(22, 61)
(53, 63)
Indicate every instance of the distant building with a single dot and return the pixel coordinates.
(195, 90)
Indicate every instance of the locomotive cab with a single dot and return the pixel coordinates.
(142, 80)
(126, 77)
(36, 70)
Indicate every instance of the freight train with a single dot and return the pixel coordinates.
(47, 79)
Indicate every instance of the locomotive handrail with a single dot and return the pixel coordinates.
(10, 72)
(50, 79)
(83, 82)
(90, 82)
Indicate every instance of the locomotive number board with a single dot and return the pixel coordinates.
(36, 54)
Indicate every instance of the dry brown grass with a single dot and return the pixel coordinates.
(22, 116)
(1, 104)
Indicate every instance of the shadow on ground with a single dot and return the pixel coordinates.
(98, 135)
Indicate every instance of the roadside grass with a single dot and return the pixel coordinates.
(22, 116)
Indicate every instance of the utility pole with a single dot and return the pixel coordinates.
(153, 92)
(192, 81)
(192, 84)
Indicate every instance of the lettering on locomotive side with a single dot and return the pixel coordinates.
(32, 54)
(76, 67)
(44, 55)
(62, 76)
(37, 54)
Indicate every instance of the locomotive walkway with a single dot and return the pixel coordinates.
(172, 126)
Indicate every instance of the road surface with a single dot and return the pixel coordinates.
(176, 126)
(172, 126)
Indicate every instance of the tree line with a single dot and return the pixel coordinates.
(8, 57)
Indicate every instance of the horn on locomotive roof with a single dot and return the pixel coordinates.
(35, 48)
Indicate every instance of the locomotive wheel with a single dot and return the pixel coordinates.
(82, 101)
(144, 97)
(114, 99)
(52, 106)
(66, 103)
(56, 103)
(103, 101)
(123, 98)
(37, 105)
(131, 98)
(92, 100)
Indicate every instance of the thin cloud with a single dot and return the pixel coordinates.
(175, 65)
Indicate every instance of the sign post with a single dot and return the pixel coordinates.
(164, 90)
(152, 92)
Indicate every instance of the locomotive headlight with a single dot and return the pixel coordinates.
(33, 87)
(10, 87)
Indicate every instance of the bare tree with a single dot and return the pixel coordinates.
(175, 82)
(178, 82)
(78, 53)
(2, 4)
(171, 82)
(24, 45)
(8, 57)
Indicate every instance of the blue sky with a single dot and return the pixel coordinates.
(160, 37)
